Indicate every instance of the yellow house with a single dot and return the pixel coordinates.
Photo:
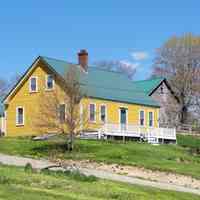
(110, 94)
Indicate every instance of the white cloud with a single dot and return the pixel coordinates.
(139, 55)
(129, 65)
(129, 68)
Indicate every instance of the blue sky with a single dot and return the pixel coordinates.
(126, 30)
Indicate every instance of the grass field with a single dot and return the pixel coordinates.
(182, 158)
(20, 184)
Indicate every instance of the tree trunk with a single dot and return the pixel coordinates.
(183, 119)
(70, 145)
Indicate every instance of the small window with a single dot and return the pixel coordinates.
(92, 112)
(150, 119)
(20, 116)
(103, 113)
(33, 84)
(62, 113)
(141, 118)
(161, 90)
(50, 82)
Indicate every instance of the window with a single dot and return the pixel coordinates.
(33, 84)
(92, 112)
(103, 113)
(142, 118)
(150, 119)
(161, 90)
(20, 116)
(62, 113)
(49, 82)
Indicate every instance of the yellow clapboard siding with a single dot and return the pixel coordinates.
(29, 101)
(113, 112)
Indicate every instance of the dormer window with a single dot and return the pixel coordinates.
(33, 84)
(49, 82)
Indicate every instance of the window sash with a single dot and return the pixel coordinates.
(142, 118)
(62, 113)
(103, 113)
(20, 116)
(33, 84)
(150, 119)
(49, 82)
(92, 112)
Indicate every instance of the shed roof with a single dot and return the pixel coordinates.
(147, 86)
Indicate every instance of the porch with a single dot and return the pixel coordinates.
(149, 134)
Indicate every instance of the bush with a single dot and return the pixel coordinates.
(28, 168)
(188, 141)
(4, 180)
(75, 175)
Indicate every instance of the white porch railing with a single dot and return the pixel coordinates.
(130, 130)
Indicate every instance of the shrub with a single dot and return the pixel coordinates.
(28, 168)
(4, 180)
(75, 175)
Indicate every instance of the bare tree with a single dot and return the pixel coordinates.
(13, 80)
(128, 69)
(61, 110)
(3, 87)
(6, 85)
(179, 61)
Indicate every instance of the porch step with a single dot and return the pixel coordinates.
(89, 136)
(152, 140)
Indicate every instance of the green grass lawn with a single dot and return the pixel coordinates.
(182, 158)
(20, 184)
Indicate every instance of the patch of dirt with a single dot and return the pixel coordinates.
(157, 176)
(195, 151)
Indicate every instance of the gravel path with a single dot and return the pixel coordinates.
(40, 164)
(137, 172)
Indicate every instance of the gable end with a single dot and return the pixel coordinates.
(168, 87)
(22, 79)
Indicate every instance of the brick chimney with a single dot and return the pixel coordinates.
(83, 59)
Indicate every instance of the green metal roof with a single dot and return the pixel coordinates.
(147, 86)
(120, 95)
(103, 84)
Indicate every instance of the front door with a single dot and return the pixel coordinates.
(123, 118)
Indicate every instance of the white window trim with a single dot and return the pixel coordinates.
(152, 119)
(105, 113)
(17, 124)
(140, 118)
(126, 114)
(30, 90)
(94, 113)
(46, 83)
